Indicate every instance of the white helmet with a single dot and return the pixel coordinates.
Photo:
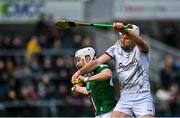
(134, 29)
(84, 52)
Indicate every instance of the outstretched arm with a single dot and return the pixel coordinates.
(103, 75)
(142, 45)
(94, 64)
(91, 66)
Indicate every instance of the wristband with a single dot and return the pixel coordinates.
(73, 88)
(85, 79)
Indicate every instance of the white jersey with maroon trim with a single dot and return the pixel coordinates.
(132, 69)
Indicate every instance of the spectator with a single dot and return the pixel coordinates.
(57, 44)
(70, 65)
(162, 104)
(52, 34)
(63, 75)
(46, 28)
(173, 99)
(2, 68)
(28, 93)
(41, 25)
(9, 70)
(6, 44)
(35, 66)
(47, 65)
(33, 48)
(77, 39)
(12, 96)
(18, 42)
(166, 74)
(59, 63)
(169, 32)
(77, 99)
(87, 41)
(3, 80)
(46, 88)
(62, 92)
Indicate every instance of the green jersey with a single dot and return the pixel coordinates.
(101, 93)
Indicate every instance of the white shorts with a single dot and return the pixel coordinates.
(139, 104)
(105, 115)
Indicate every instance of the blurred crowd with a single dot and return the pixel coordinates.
(34, 75)
(38, 74)
(168, 92)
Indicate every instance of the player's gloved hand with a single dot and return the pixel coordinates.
(117, 26)
(74, 77)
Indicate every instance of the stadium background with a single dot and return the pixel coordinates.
(36, 59)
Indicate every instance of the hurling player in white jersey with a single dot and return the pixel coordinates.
(131, 55)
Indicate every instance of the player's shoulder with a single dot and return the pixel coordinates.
(113, 48)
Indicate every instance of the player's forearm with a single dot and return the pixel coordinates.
(117, 92)
(104, 75)
(81, 90)
(142, 45)
(89, 67)
(137, 40)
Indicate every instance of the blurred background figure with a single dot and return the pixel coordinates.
(36, 58)
(46, 88)
(167, 72)
(33, 48)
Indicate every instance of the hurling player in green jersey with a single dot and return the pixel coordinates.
(99, 86)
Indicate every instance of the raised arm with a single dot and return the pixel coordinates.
(142, 45)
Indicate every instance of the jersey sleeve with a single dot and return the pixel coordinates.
(88, 87)
(111, 51)
(102, 67)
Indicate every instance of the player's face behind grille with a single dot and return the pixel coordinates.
(87, 58)
(126, 43)
(79, 62)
